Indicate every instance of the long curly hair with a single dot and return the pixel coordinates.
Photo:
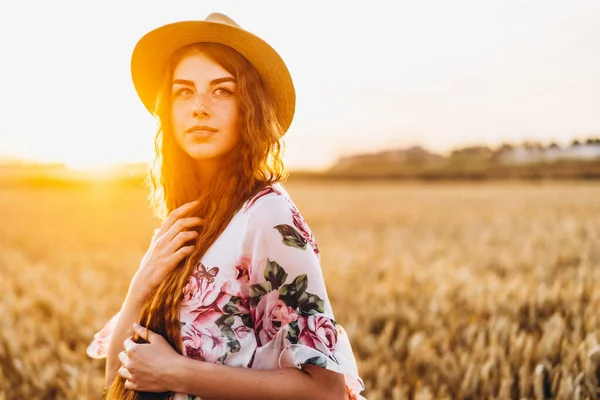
(255, 161)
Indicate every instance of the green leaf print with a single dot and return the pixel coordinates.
(275, 274)
(231, 308)
(257, 291)
(312, 304)
(247, 320)
(302, 299)
(221, 360)
(234, 345)
(319, 361)
(291, 236)
(228, 332)
(232, 341)
(225, 320)
(293, 293)
(300, 283)
(293, 332)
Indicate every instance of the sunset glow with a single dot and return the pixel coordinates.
(368, 76)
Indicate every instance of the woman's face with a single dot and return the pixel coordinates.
(204, 108)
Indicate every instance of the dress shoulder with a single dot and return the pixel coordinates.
(290, 310)
(275, 190)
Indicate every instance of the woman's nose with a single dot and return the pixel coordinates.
(200, 107)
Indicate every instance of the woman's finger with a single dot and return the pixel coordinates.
(123, 357)
(129, 345)
(179, 255)
(175, 215)
(148, 335)
(182, 238)
(180, 225)
(124, 372)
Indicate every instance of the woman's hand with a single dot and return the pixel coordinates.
(146, 366)
(166, 250)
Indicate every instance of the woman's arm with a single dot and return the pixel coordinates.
(129, 313)
(217, 381)
(167, 249)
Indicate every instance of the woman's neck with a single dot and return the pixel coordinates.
(206, 171)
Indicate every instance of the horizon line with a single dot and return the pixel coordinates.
(8, 159)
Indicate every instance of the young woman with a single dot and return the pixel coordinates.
(230, 297)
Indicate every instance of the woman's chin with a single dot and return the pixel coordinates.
(202, 152)
(208, 156)
(203, 156)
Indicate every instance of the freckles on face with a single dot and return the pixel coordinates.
(204, 107)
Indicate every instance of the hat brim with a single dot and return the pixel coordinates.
(154, 49)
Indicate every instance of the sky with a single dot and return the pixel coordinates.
(369, 75)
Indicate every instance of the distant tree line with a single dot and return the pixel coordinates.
(527, 160)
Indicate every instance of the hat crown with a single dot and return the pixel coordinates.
(153, 51)
(220, 18)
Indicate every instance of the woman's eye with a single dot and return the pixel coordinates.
(184, 92)
(223, 92)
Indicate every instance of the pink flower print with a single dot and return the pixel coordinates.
(242, 331)
(302, 226)
(190, 290)
(271, 314)
(242, 267)
(318, 332)
(192, 343)
(207, 317)
(284, 315)
(265, 191)
(245, 336)
(204, 343)
(214, 344)
(202, 289)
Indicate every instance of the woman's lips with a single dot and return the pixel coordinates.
(202, 134)
(201, 128)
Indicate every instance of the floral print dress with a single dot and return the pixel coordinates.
(257, 298)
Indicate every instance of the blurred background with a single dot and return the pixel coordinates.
(446, 156)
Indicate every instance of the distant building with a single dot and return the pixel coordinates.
(528, 154)
(472, 152)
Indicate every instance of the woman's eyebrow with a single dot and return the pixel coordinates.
(183, 82)
(221, 80)
(212, 83)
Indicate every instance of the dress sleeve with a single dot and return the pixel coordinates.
(98, 347)
(289, 307)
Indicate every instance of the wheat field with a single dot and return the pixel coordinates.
(462, 290)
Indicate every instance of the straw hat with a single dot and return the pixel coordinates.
(154, 49)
